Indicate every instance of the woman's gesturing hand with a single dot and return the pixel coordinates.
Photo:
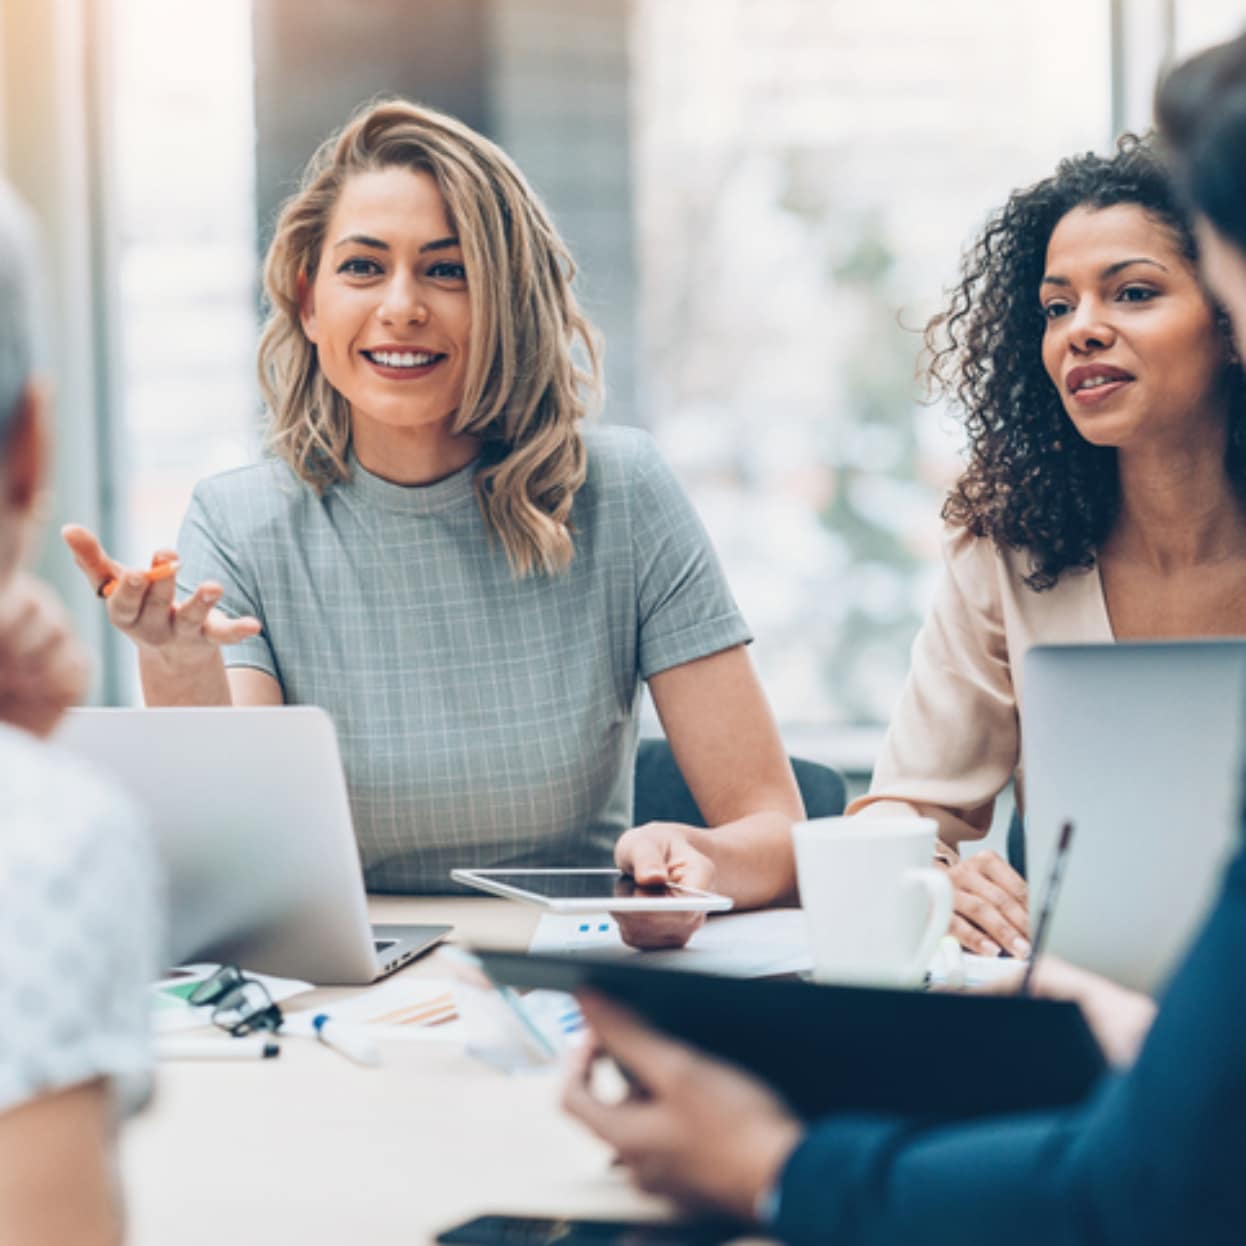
(143, 605)
(990, 900)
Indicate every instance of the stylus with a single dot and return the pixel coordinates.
(252, 1047)
(1049, 903)
(157, 571)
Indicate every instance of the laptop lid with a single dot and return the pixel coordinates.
(250, 814)
(1140, 746)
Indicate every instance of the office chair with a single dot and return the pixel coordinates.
(660, 794)
(1016, 843)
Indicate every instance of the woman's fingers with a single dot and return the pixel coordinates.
(125, 606)
(991, 908)
(140, 603)
(143, 604)
(986, 894)
(192, 614)
(994, 867)
(220, 629)
(197, 619)
(89, 555)
(658, 930)
(971, 938)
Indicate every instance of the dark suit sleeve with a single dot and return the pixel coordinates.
(1157, 1155)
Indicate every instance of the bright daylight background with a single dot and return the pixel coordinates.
(768, 200)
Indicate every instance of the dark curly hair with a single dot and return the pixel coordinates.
(1033, 482)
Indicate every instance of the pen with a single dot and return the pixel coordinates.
(253, 1047)
(157, 571)
(350, 1043)
(1049, 903)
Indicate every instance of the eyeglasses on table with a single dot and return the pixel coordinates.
(240, 1005)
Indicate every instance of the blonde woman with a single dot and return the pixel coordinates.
(442, 556)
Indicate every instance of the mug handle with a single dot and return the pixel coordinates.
(939, 889)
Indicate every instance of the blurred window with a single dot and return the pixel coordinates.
(805, 192)
(182, 157)
(808, 172)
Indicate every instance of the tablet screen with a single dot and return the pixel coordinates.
(576, 885)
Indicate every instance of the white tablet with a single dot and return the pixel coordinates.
(590, 891)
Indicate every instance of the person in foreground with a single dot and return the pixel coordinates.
(1105, 496)
(1153, 1156)
(79, 917)
(440, 555)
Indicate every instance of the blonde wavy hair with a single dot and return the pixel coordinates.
(524, 395)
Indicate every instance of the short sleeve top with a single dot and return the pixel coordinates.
(80, 929)
(483, 719)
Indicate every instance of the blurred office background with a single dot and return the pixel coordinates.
(766, 198)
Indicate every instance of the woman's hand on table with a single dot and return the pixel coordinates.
(1119, 1018)
(43, 668)
(990, 902)
(693, 1128)
(656, 854)
(142, 603)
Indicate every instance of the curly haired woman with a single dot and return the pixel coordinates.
(471, 583)
(1105, 496)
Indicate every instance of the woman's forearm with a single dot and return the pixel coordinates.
(202, 682)
(753, 859)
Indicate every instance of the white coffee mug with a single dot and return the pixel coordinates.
(874, 905)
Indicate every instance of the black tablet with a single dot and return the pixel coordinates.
(846, 1048)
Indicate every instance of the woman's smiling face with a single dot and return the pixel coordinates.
(1130, 340)
(389, 310)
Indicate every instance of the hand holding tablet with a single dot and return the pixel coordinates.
(591, 891)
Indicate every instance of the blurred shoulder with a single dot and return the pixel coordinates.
(979, 571)
(256, 494)
(965, 552)
(620, 455)
(64, 816)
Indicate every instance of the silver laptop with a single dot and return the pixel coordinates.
(1140, 745)
(250, 813)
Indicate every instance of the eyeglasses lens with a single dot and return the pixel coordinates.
(246, 1008)
(212, 990)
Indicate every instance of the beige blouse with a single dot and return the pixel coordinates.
(955, 737)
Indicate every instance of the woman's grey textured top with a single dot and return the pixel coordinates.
(483, 720)
(80, 929)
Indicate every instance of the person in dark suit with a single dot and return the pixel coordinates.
(1153, 1155)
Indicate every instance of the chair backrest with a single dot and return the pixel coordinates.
(1016, 843)
(661, 795)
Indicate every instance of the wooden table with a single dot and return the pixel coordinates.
(311, 1149)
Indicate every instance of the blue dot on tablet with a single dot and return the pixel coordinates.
(584, 928)
(603, 927)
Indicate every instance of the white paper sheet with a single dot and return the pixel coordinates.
(743, 945)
